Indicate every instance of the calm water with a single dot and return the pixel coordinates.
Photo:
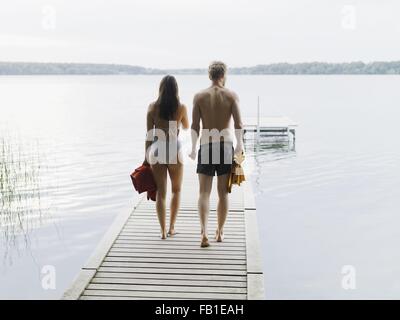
(67, 145)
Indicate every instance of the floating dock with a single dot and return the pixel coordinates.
(270, 127)
(132, 262)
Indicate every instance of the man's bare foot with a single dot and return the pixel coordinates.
(219, 236)
(171, 232)
(204, 242)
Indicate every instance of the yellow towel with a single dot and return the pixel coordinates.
(237, 175)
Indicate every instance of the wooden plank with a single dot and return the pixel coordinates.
(155, 230)
(181, 265)
(195, 233)
(185, 260)
(172, 271)
(192, 204)
(176, 255)
(185, 220)
(176, 240)
(187, 249)
(233, 208)
(253, 250)
(235, 198)
(180, 235)
(173, 282)
(184, 244)
(193, 228)
(164, 288)
(255, 277)
(255, 286)
(150, 217)
(79, 285)
(165, 276)
(151, 212)
(166, 295)
(185, 226)
(249, 200)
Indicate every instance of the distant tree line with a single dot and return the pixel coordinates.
(392, 67)
(29, 68)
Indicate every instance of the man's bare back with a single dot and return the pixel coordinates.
(215, 106)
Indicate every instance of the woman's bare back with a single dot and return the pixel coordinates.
(180, 119)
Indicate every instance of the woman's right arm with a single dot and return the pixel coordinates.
(149, 133)
(184, 119)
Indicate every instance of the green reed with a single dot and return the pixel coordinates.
(20, 192)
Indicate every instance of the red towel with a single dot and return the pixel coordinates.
(143, 180)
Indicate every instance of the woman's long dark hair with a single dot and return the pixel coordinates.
(168, 98)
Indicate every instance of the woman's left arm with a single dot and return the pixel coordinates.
(149, 134)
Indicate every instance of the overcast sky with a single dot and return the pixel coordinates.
(190, 33)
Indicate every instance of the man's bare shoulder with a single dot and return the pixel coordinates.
(230, 94)
(201, 95)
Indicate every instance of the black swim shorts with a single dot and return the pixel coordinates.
(215, 158)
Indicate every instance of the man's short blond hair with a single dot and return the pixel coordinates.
(217, 70)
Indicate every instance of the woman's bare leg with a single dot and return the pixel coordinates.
(222, 207)
(175, 173)
(204, 206)
(160, 176)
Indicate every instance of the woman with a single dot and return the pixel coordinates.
(164, 118)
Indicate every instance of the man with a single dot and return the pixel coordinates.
(215, 107)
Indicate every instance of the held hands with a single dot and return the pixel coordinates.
(192, 155)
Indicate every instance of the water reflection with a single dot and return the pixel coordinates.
(21, 199)
(267, 149)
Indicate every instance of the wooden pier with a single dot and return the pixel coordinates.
(132, 262)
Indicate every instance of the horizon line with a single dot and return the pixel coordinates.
(198, 68)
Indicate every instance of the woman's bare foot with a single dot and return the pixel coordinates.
(204, 242)
(219, 236)
(163, 235)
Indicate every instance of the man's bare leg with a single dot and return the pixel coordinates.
(160, 176)
(176, 173)
(204, 206)
(222, 207)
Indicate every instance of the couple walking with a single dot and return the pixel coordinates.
(213, 108)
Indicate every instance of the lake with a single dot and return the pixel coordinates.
(68, 144)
